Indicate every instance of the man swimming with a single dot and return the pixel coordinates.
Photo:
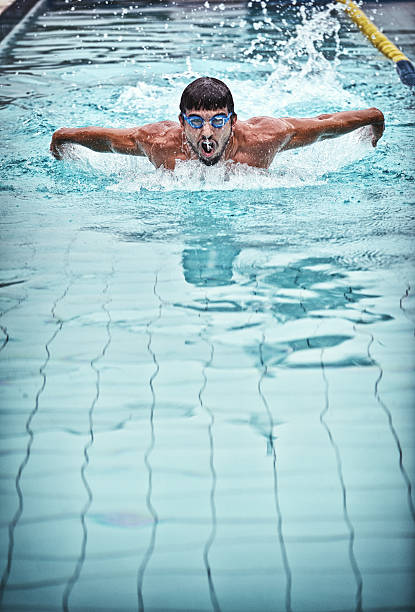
(209, 131)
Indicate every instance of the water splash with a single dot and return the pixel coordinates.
(291, 169)
(299, 80)
(303, 75)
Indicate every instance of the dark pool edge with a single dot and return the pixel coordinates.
(14, 14)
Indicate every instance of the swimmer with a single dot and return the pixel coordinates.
(209, 131)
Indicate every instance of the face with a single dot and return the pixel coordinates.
(209, 143)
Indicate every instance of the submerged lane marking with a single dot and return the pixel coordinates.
(81, 559)
(271, 446)
(212, 535)
(392, 429)
(30, 433)
(353, 562)
(151, 509)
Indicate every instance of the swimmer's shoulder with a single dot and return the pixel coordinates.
(260, 131)
(258, 140)
(162, 133)
(161, 142)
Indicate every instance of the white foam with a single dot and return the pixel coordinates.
(291, 169)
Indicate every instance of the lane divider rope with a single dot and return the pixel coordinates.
(404, 66)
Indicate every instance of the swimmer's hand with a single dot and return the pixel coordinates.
(378, 127)
(59, 138)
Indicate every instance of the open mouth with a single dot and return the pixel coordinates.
(208, 147)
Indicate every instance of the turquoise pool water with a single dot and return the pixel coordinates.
(207, 397)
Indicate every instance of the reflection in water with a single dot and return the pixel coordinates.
(310, 287)
(209, 263)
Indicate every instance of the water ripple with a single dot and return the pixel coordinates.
(81, 559)
(272, 450)
(401, 303)
(151, 509)
(212, 535)
(353, 562)
(392, 429)
(31, 434)
(6, 337)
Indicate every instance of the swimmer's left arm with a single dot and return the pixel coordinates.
(302, 132)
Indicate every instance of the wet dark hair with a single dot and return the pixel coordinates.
(207, 93)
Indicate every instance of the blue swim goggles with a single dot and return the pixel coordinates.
(218, 121)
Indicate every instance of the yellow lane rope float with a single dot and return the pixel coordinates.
(404, 67)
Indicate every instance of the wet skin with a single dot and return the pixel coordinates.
(217, 139)
(254, 142)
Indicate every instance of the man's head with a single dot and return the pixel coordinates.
(211, 101)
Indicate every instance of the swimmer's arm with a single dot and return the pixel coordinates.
(302, 132)
(102, 140)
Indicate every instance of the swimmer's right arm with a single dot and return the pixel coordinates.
(102, 140)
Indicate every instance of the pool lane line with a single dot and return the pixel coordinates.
(91, 438)
(386, 410)
(28, 426)
(6, 337)
(352, 535)
(17, 515)
(18, 301)
(271, 447)
(396, 439)
(404, 66)
(401, 306)
(151, 509)
(391, 425)
(211, 538)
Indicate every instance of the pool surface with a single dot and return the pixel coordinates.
(207, 377)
